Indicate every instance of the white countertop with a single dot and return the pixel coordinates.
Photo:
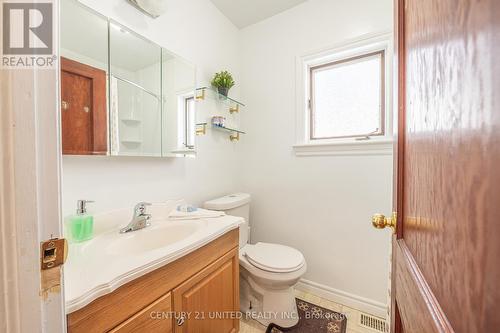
(109, 260)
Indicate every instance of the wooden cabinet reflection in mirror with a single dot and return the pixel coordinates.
(83, 109)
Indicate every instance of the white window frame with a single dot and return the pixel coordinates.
(185, 130)
(181, 119)
(370, 145)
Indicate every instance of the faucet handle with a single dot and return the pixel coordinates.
(140, 208)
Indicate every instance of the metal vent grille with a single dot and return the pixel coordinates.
(374, 323)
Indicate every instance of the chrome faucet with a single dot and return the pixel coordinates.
(139, 220)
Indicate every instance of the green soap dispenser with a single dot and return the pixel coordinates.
(80, 227)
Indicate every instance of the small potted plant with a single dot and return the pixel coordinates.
(223, 81)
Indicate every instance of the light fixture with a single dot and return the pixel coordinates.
(153, 8)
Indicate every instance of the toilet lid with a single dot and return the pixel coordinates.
(274, 257)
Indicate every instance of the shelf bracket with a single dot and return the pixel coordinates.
(202, 96)
(234, 109)
(234, 137)
(201, 129)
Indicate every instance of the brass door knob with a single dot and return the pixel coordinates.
(379, 221)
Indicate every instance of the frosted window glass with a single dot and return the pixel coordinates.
(346, 98)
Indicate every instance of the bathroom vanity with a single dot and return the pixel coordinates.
(188, 282)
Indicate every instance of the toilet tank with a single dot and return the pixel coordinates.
(237, 204)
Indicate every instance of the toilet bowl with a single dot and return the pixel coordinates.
(268, 271)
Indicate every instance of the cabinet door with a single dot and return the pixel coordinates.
(210, 299)
(155, 318)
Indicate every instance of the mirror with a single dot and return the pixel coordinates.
(84, 71)
(135, 94)
(178, 89)
(122, 95)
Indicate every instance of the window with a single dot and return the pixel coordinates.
(347, 97)
(343, 99)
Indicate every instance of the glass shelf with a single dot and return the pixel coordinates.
(184, 151)
(131, 121)
(131, 141)
(227, 129)
(234, 134)
(234, 105)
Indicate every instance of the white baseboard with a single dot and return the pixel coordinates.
(338, 296)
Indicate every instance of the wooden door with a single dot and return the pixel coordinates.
(446, 254)
(83, 109)
(209, 301)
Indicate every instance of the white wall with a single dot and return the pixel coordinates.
(197, 31)
(320, 205)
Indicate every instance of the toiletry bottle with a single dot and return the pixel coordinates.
(80, 227)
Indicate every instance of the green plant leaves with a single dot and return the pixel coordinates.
(223, 79)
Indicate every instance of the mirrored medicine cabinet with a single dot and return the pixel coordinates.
(121, 94)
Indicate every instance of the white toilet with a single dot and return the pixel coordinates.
(268, 272)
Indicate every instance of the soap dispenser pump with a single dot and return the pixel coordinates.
(81, 225)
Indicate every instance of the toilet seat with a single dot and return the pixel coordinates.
(274, 258)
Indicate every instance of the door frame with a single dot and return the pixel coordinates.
(30, 196)
(398, 153)
(398, 150)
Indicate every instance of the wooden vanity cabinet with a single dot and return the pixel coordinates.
(210, 299)
(196, 293)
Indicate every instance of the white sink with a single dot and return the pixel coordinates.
(152, 238)
(111, 259)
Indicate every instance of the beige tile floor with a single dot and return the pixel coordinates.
(252, 326)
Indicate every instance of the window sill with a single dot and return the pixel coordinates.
(369, 147)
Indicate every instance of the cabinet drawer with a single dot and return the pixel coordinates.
(142, 321)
